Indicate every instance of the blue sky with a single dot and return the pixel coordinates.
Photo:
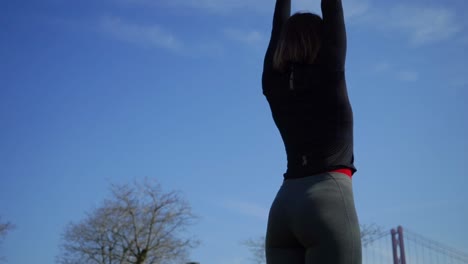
(108, 91)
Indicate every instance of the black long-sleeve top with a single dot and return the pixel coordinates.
(309, 103)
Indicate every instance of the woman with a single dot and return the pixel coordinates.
(313, 218)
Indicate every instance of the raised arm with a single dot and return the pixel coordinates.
(334, 32)
(281, 15)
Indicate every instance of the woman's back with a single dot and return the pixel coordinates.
(314, 118)
(309, 102)
(313, 217)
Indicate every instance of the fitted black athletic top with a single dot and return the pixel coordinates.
(309, 103)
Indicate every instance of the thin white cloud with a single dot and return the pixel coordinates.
(249, 209)
(248, 37)
(398, 74)
(353, 8)
(146, 35)
(382, 67)
(421, 25)
(425, 24)
(212, 6)
(415, 207)
(407, 76)
(464, 40)
(460, 82)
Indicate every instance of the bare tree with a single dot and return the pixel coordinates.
(257, 249)
(5, 227)
(139, 224)
(369, 233)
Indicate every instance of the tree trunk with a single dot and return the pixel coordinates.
(141, 257)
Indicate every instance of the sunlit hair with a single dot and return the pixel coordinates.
(300, 41)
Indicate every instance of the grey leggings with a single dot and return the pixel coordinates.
(313, 221)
